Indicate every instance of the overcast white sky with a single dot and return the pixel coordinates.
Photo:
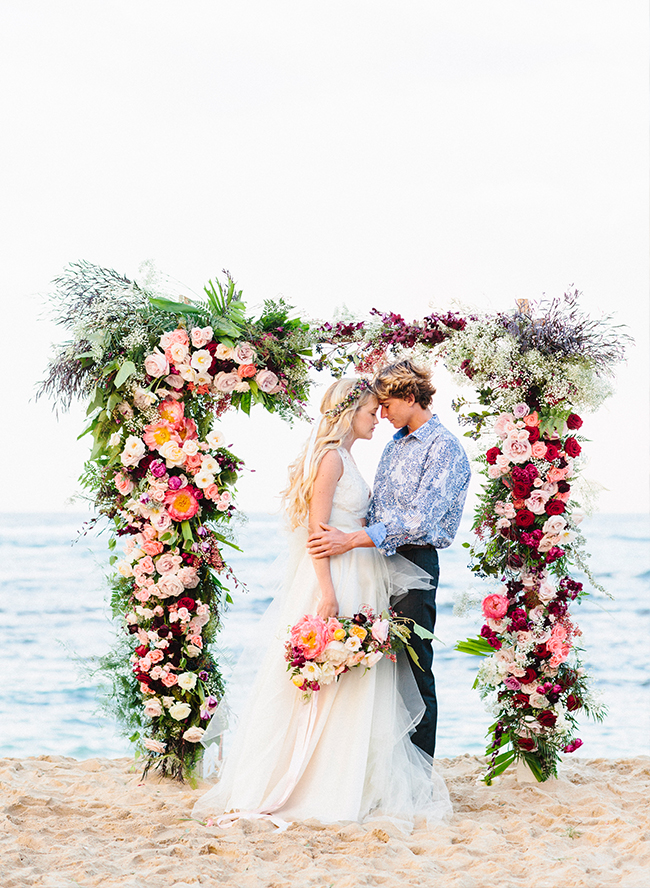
(393, 154)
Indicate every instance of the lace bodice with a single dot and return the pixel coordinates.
(351, 496)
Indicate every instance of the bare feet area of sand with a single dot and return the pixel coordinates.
(96, 823)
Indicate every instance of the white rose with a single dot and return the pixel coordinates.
(168, 701)
(202, 360)
(215, 439)
(134, 450)
(115, 439)
(371, 659)
(154, 745)
(124, 568)
(179, 352)
(203, 479)
(192, 650)
(193, 735)
(187, 681)
(179, 711)
(209, 464)
(242, 386)
(223, 352)
(172, 454)
(153, 708)
(327, 673)
(186, 372)
(555, 524)
(190, 447)
(335, 653)
(143, 398)
(353, 643)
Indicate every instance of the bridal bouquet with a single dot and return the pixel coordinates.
(319, 651)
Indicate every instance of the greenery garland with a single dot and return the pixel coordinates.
(157, 372)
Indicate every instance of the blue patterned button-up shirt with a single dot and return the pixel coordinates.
(420, 489)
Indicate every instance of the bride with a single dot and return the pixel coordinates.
(345, 754)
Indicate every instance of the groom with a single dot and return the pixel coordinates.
(420, 489)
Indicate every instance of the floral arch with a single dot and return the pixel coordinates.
(157, 371)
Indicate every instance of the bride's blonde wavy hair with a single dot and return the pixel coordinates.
(330, 434)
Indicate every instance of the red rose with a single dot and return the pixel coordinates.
(573, 703)
(141, 650)
(530, 676)
(188, 603)
(533, 433)
(573, 422)
(526, 743)
(547, 718)
(552, 452)
(526, 518)
(520, 700)
(553, 507)
(520, 490)
(492, 454)
(571, 447)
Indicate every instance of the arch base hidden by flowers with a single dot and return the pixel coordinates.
(156, 372)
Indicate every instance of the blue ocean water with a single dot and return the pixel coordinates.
(55, 619)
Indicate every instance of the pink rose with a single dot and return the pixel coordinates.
(156, 364)
(169, 680)
(520, 410)
(536, 502)
(244, 353)
(226, 382)
(538, 450)
(177, 335)
(149, 533)
(266, 381)
(146, 565)
(189, 577)
(532, 420)
(495, 606)
(503, 424)
(379, 630)
(161, 522)
(168, 564)
(123, 484)
(212, 493)
(517, 446)
(169, 586)
(196, 640)
(201, 336)
(156, 655)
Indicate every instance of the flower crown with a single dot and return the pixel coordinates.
(359, 387)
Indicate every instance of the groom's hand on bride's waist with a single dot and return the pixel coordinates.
(330, 541)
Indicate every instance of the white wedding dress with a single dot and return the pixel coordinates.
(346, 754)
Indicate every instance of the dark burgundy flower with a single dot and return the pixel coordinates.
(360, 619)
(573, 422)
(526, 743)
(547, 718)
(554, 507)
(533, 433)
(572, 448)
(520, 490)
(563, 487)
(163, 631)
(520, 699)
(553, 554)
(492, 454)
(524, 518)
(573, 703)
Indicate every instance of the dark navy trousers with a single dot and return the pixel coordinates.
(420, 605)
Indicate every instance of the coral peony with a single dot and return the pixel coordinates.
(182, 504)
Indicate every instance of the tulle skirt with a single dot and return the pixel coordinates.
(345, 754)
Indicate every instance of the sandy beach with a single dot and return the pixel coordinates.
(95, 823)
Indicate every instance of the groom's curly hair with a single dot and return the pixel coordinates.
(402, 379)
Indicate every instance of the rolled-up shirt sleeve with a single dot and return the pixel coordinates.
(420, 490)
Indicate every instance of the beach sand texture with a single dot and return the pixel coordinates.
(95, 823)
